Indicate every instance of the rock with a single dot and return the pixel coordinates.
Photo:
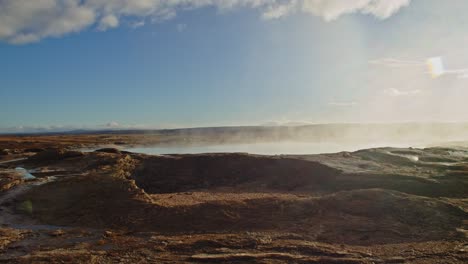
(108, 234)
(55, 154)
(4, 152)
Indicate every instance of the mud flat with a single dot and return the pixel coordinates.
(386, 205)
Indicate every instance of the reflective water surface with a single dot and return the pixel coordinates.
(270, 148)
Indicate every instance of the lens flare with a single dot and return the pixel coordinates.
(436, 67)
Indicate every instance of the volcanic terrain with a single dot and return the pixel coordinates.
(385, 205)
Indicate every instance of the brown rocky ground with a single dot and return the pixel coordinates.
(371, 206)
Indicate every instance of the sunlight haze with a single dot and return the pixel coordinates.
(165, 64)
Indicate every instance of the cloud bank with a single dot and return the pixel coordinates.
(26, 21)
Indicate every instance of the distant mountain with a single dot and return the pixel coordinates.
(336, 133)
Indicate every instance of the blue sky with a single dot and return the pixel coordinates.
(241, 63)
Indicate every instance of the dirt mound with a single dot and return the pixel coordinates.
(109, 150)
(94, 200)
(355, 217)
(251, 173)
(380, 216)
(166, 174)
(55, 155)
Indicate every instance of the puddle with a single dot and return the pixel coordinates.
(24, 173)
(261, 148)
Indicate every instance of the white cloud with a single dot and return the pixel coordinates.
(332, 9)
(109, 21)
(280, 10)
(24, 21)
(396, 92)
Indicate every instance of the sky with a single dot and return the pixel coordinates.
(71, 64)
